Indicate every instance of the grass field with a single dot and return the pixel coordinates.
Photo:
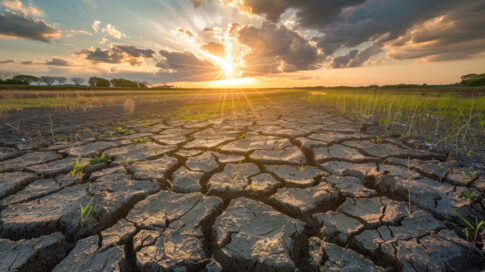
(444, 117)
(436, 115)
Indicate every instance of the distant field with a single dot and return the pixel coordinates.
(439, 115)
(85, 99)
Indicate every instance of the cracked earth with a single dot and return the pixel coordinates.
(277, 189)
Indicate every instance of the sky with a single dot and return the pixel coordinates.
(247, 43)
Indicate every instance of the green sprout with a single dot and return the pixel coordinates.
(139, 140)
(103, 158)
(78, 167)
(468, 196)
(169, 184)
(86, 212)
(475, 228)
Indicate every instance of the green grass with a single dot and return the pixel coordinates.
(86, 212)
(139, 140)
(103, 158)
(475, 228)
(447, 117)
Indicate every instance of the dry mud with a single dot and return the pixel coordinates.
(277, 189)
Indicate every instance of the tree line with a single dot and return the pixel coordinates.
(14, 79)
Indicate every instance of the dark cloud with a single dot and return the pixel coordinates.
(457, 34)
(402, 26)
(185, 66)
(356, 58)
(186, 32)
(276, 49)
(309, 13)
(58, 62)
(214, 48)
(7, 61)
(117, 54)
(18, 25)
(132, 51)
(27, 62)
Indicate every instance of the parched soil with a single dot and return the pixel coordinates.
(283, 187)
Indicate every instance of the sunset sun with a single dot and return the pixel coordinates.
(228, 69)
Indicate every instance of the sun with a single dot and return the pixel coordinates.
(228, 68)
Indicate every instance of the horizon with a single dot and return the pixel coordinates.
(228, 43)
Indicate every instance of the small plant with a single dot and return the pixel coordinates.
(78, 167)
(468, 196)
(109, 134)
(147, 125)
(475, 228)
(86, 212)
(301, 167)
(139, 140)
(469, 176)
(123, 131)
(103, 158)
(169, 184)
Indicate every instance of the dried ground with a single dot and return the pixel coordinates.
(282, 187)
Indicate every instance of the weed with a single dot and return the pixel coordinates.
(301, 167)
(475, 228)
(147, 125)
(139, 140)
(109, 134)
(169, 184)
(468, 196)
(78, 167)
(123, 131)
(469, 176)
(103, 158)
(86, 211)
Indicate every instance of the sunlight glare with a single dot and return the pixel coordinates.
(231, 82)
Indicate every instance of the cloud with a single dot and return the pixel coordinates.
(20, 26)
(58, 62)
(108, 29)
(112, 31)
(117, 54)
(356, 58)
(276, 49)
(185, 66)
(336, 25)
(26, 10)
(215, 30)
(214, 48)
(186, 33)
(458, 34)
(309, 13)
(27, 62)
(7, 61)
(95, 25)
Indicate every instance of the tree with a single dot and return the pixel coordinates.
(61, 80)
(473, 80)
(468, 77)
(48, 80)
(142, 84)
(5, 74)
(11, 81)
(77, 80)
(123, 83)
(28, 79)
(98, 82)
